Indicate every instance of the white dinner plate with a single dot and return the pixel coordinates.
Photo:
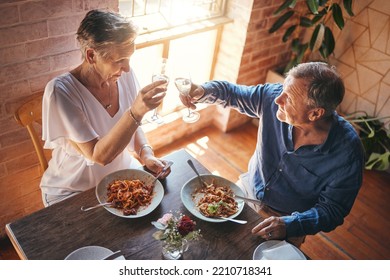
(91, 253)
(190, 187)
(130, 174)
(277, 250)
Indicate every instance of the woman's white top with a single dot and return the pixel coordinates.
(70, 111)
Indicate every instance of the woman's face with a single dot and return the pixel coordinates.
(111, 68)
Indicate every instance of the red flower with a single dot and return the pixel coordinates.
(185, 226)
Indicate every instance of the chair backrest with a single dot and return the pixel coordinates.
(28, 114)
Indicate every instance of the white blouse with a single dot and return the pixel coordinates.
(70, 111)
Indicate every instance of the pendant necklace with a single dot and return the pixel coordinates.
(109, 105)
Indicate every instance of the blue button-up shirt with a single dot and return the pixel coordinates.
(315, 184)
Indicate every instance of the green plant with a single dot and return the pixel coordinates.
(312, 16)
(375, 139)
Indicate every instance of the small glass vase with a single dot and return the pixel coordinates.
(174, 251)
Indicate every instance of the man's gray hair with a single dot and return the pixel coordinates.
(324, 85)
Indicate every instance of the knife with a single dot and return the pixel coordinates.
(255, 201)
(113, 256)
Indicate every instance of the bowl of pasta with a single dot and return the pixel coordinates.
(132, 193)
(211, 202)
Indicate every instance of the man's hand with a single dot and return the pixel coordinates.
(271, 228)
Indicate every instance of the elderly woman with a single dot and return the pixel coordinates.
(91, 116)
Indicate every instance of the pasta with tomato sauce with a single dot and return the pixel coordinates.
(129, 195)
(218, 201)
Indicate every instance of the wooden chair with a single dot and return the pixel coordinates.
(28, 114)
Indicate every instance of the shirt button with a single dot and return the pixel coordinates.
(280, 170)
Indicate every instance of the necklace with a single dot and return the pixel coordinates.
(109, 105)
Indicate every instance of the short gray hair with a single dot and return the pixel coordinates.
(102, 30)
(325, 87)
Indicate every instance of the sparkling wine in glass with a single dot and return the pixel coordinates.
(159, 74)
(183, 84)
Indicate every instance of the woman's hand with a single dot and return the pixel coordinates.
(271, 228)
(195, 93)
(149, 98)
(156, 165)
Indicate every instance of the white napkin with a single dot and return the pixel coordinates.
(281, 251)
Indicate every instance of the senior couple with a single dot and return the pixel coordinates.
(307, 167)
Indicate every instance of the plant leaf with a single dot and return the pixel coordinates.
(348, 7)
(378, 161)
(338, 15)
(313, 6)
(305, 22)
(295, 45)
(319, 16)
(328, 44)
(285, 5)
(288, 32)
(301, 53)
(317, 37)
(280, 21)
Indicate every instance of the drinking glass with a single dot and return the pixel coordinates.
(160, 73)
(183, 84)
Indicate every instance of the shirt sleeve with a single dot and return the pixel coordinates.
(245, 99)
(63, 117)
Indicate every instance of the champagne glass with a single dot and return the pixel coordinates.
(159, 74)
(183, 84)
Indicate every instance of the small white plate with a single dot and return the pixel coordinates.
(91, 253)
(283, 249)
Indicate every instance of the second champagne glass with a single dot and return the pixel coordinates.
(159, 74)
(183, 84)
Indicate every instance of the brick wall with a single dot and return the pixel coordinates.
(37, 43)
(248, 51)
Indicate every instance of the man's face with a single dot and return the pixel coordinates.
(293, 102)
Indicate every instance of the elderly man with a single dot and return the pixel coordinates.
(308, 164)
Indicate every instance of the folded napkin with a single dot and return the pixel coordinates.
(281, 251)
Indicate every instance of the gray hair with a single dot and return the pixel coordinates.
(102, 30)
(325, 87)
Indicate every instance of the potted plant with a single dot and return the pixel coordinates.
(311, 18)
(375, 138)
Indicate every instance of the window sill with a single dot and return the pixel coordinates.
(156, 37)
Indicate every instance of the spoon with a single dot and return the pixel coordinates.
(83, 208)
(234, 220)
(191, 164)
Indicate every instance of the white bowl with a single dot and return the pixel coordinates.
(130, 174)
(190, 187)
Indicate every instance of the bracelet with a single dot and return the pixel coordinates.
(138, 123)
(144, 146)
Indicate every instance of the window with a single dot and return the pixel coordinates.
(184, 31)
(154, 15)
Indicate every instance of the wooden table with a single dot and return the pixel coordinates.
(54, 232)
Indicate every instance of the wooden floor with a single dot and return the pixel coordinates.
(365, 233)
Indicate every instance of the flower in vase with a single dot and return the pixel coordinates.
(175, 229)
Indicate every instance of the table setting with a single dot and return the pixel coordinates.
(172, 215)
